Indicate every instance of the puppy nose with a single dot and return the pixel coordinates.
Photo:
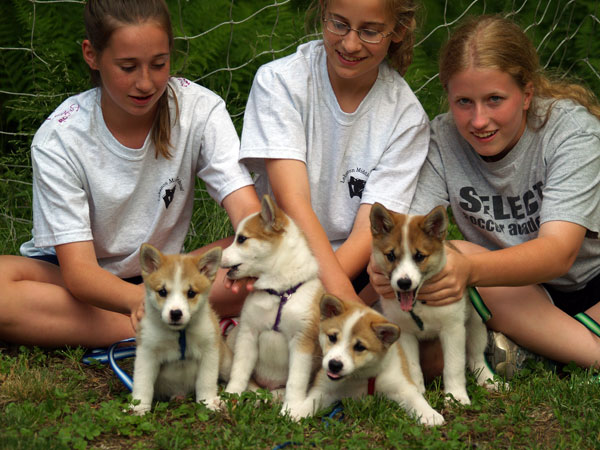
(403, 284)
(175, 315)
(335, 366)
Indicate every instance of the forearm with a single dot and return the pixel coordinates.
(289, 181)
(331, 272)
(540, 260)
(89, 283)
(353, 255)
(240, 204)
(104, 290)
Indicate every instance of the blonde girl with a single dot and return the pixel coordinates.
(114, 167)
(334, 127)
(517, 159)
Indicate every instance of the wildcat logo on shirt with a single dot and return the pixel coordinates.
(356, 185)
(168, 191)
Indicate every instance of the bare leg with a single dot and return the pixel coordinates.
(38, 310)
(526, 315)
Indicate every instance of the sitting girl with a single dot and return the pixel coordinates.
(114, 167)
(517, 159)
(333, 128)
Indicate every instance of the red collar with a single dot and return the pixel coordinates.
(371, 387)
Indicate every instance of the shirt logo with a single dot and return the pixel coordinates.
(356, 179)
(167, 191)
(168, 197)
(356, 186)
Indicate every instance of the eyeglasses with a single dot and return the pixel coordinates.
(364, 34)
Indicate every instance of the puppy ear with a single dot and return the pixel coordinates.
(331, 306)
(150, 258)
(271, 216)
(435, 224)
(386, 332)
(381, 220)
(208, 263)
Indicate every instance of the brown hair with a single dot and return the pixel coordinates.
(102, 18)
(404, 12)
(494, 42)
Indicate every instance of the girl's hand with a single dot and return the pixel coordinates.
(236, 285)
(137, 314)
(379, 281)
(447, 286)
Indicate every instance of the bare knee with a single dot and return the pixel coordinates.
(432, 359)
(20, 268)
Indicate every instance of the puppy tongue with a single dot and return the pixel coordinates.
(406, 300)
(333, 375)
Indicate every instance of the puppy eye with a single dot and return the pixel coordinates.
(391, 256)
(241, 239)
(332, 337)
(358, 347)
(162, 292)
(419, 257)
(191, 293)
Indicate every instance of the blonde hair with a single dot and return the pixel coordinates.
(102, 18)
(494, 42)
(404, 12)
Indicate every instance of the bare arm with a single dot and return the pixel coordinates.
(89, 283)
(289, 181)
(241, 203)
(542, 259)
(353, 255)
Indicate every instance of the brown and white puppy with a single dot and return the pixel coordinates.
(410, 250)
(276, 339)
(360, 345)
(179, 345)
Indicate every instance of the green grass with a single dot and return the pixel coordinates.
(50, 400)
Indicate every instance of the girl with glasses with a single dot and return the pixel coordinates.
(334, 127)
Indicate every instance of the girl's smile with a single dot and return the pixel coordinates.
(489, 109)
(349, 57)
(134, 68)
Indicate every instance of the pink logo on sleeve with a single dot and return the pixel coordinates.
(183, 82)
(66, 113)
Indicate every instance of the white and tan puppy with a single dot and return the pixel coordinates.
(360, 351)
(276, 337)
(410, 250)
(179, 344)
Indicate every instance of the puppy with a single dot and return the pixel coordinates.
(361, 353)
(179, 344)
(410, 250)
(277, 333)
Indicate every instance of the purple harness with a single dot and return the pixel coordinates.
(283, 298)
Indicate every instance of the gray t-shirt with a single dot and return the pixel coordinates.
(553, 173)
(88, 186)
(373, 154)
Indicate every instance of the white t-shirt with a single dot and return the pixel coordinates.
(87, 186)
(373, 154)
(552, 173)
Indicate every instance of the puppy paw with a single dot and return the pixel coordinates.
(432, 418)
(139, 409)
(460, 396)
(495, 385)
(296, 411)
(214, 404)
(234, 388)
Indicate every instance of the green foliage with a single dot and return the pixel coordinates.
(45, 403)
(220, 44)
